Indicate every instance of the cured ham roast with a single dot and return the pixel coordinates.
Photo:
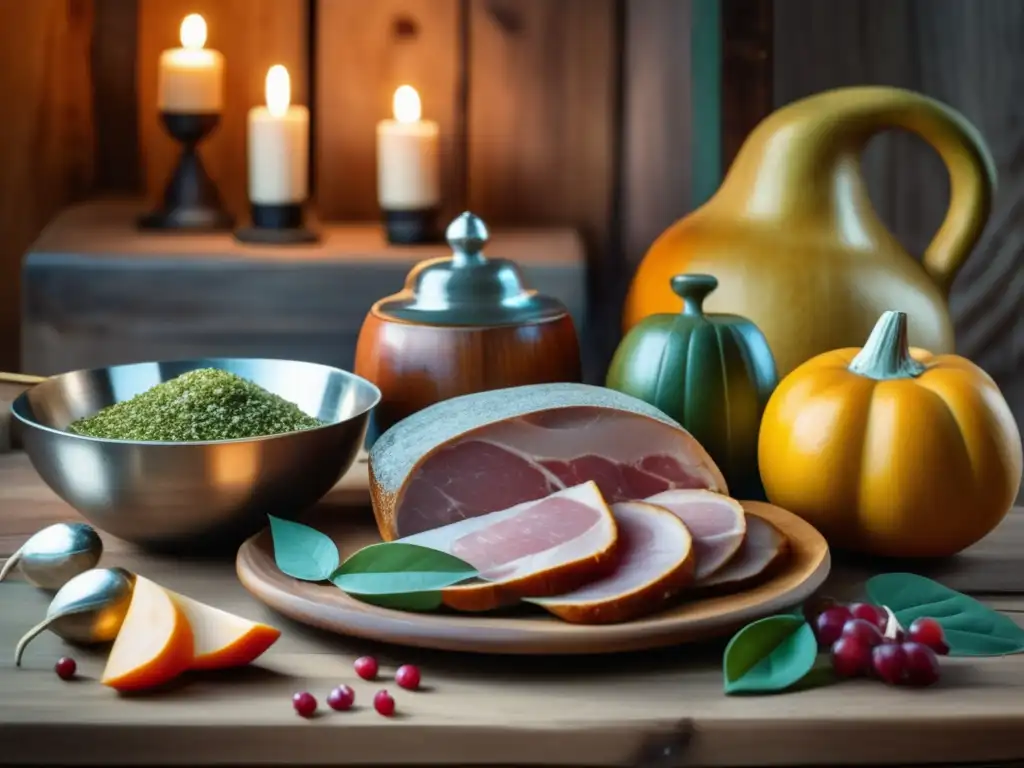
(538, 548)
(716, 522)
(479, 453)
(655, 561)
(764, 547)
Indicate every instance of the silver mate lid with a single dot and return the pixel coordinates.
(467, 288)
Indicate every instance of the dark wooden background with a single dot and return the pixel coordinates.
(612, 116)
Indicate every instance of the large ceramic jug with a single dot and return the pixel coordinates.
(794, 240)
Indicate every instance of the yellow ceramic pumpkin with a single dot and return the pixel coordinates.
(890, 450)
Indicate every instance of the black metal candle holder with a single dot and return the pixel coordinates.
(412, 227)
(191, 200)
(277, 225)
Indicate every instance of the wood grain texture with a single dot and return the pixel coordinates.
(529, 632)
(478, 709)
(99, 292)
(115, 47)
(418, 365)
(253, 35)
(966, 54)
(541, 113)
(747, 59)
(364, 51)
(46, 135)
(657, 119)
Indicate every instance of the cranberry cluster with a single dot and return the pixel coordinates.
(343, 697)
(855, 635)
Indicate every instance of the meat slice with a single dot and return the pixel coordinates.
(655, 561)
(764, 547)
(535, 549)
(716, 522)
(475, 454)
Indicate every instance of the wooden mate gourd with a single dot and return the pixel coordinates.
(462, 324)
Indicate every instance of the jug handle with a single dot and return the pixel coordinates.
(972, 179)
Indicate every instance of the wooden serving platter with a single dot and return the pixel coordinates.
(524, 631)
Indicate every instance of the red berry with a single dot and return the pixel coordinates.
(922, 664)
(871, 614)
(366, 667)
(341, 698)
(829, 624)
(889, 662)
(928, 632)
(384, 703)
(408, 676)
(863, 632)
(304, 703)
(65, 668)
(851, 657)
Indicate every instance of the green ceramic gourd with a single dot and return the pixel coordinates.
(713, 373)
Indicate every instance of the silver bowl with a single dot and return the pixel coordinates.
(193, 497)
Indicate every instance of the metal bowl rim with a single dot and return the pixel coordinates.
(20, 402)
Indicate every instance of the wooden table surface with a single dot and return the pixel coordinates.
(477, 710)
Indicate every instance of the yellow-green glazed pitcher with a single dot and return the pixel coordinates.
(795, 243)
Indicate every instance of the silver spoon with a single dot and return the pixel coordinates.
(56, 554)
(90, 608)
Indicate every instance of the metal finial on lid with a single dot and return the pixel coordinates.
(467, 288)
(467, 235)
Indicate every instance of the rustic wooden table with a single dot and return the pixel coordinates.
(596, 711)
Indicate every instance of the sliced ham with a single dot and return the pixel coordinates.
(475, 454)
(764, 547)
(535, 549)
(716, 522)
(655, 561)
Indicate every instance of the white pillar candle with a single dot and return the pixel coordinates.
(191, 78)
(278, 149)
(407, 156)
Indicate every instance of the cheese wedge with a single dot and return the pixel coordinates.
(154, 644)
(221, 639)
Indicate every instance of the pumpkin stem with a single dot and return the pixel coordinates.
(693, 289)
(886, 355)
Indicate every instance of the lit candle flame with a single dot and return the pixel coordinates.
(193, 32)
(406, 104)
(278, 90)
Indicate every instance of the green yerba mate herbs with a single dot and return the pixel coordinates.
(204, 404)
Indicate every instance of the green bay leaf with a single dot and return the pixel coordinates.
(971, 628)
(395, 568)
(769, 655)
(303, 552)
(407, 601)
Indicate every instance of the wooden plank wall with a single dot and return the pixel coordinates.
(46, 135)
(542, 102)
(524, 91)
(115, 97)
(662, 135)
(657, 139)
(364, 51)
(968, 54)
